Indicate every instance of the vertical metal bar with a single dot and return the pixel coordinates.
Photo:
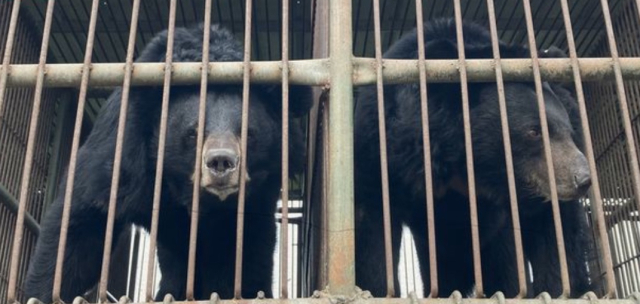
(513, 198)
(384, 170)
(117, 162)
(157, 189)
(624, 105)
(284, 225)
(317, 126)
(324, 196)
(340, 215)
(243, 150)
(8, 49)
(28, 163)
(477, 266)
(195, 208)
(383, 150)
(426, 143)
(596, 203)
(82, 98)
(562, 257)
(382, 131)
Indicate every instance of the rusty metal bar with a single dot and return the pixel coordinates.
(6, 59)
(340, 213)
(195, 204)
(246, 73)
(315, 136)
(632, 154)
(320, 298)
(551, 69)
(506, 137)
(284, 225)
(29, 156)
(473, 207)
(596, 204)
(314, 72)
(68, 195)
(324, 195)
(384, 170)
(117, 162)
(562, 257)
(426, 143)
(162, 138)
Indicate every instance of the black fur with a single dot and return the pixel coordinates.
(407, 179)
(217, 222)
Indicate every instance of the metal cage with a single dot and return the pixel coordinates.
(62, 58)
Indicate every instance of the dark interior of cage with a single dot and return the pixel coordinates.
(306, 191)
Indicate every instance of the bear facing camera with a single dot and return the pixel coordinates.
(449, 171)
(220, 178)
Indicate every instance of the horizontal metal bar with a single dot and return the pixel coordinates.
(478, 70)
(112, 74)
(12, 204)
(330, 300)
(316, 72)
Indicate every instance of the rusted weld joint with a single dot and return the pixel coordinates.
(357, 295)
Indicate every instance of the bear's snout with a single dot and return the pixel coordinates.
(582, 182)
(572, 170)
(221, 159)
(221, 162)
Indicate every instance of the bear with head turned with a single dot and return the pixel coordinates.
(449, 171)
(219, 181)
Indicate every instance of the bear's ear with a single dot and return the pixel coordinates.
(300, 100)
(552, 52)
(441, 49)
(155, 50)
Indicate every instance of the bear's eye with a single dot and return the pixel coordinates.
(534, 133)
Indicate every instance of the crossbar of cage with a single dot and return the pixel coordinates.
(315, 72)
(455, 298)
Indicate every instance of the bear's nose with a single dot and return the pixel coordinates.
(582, 182)
(221, 161)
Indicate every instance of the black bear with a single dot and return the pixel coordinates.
(221, 160)
(453, 232)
